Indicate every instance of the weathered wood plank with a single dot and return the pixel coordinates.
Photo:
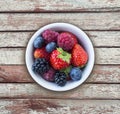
(14, 74)
(58, 5)
(99, 38)
(107, 55)
(104, 38)
(12, 56)
(14, 39)
(105, 74)
(17, 55)
(86, 21)
(85, 91)
(52, 106)
(100, 74)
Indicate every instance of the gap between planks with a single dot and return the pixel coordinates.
(66, 99)
(77, 11)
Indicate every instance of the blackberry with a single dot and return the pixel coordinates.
(40, 66)
(60, 78)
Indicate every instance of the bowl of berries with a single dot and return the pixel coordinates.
(59, 56)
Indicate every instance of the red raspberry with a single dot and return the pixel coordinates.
(73, 37)
(65, 41)
(50, 35)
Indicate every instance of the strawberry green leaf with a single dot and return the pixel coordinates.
(65, 56)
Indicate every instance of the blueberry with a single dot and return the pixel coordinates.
(75, 74)
(50, 47)
(38, 42)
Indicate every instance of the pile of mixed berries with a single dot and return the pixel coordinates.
(58, 57)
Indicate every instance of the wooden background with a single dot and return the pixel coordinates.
(19, 94)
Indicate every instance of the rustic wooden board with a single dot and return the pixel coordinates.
(107, 55)
(17, 55)
(86, 21)
(14, 74)
(85, 91)
(19, 94)
(104, 38)
(58, 5)
(52, 106)
(12, 56)
(99, 38)
(100, 74)
(14, 39)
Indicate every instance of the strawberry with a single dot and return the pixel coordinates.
(41, 53)
(72, 36)
(60, 59)
(79, 56)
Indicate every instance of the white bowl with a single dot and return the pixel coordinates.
(83, 39)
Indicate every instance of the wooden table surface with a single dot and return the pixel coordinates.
(19, 94)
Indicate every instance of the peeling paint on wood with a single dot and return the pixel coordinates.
(86, 21)
(85, 91)
(105, 74)
(14, 74)
(107, 55)
(104, 38)
(6, 55)
(26, 106)
(59, 5)
(14, 39)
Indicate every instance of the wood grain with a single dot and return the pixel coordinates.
(100, 74)
(14, 39)
(17, 55)
(99, 38)
(19, 94)
(58, 5)
(51, 106)
(14, 74)
(85, 91)
(104, 38)
(12, 56)
(107, 55)
(86, 21)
